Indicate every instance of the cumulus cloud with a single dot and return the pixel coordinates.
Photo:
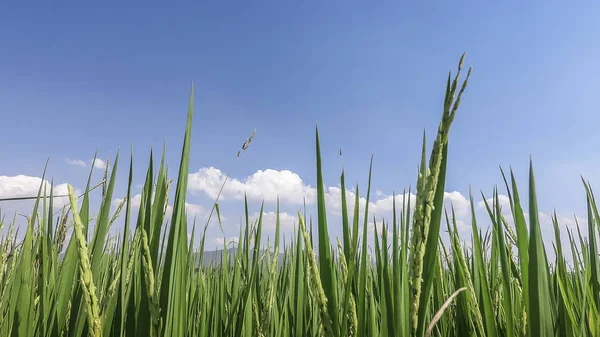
(461, 205)
(191, 209)
(270, 184)
(99, 164)
(503, 200)
(267, 185)
(27, 186)
(76, 162)
(269, 220)
(264, 185)
(136, 201)
(546, 220)
(194, 210)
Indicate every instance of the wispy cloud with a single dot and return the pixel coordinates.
(96, 163)
(76, 162)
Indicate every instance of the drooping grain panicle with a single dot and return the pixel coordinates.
(247, 143)
(215, 206)
(441, 311)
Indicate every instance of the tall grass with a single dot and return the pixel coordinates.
(148, 283)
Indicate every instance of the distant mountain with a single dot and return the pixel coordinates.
(213, 257)
(216, 257)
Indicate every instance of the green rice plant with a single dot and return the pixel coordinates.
(85, 271)
(404, 280)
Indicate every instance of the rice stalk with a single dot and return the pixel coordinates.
(85, 270)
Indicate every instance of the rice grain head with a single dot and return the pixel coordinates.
(85, 269)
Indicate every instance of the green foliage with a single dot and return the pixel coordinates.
(151, 281)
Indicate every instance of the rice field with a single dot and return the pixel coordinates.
(498, 282)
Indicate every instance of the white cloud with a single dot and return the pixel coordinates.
(382, 207)
(28, 186)
(135, 201)
(333, 200)
(220, 241)
(546, 220)
(195, 210)
(267, 185)
(269, 220)
(462, 226)
(76, 162)
(262, 185)
(503, 200)
(99, 164)
(386, 205)
(191, 209)
(461, 205)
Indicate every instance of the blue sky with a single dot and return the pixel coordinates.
(76, 78)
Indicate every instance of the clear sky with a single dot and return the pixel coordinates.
(80, 77)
